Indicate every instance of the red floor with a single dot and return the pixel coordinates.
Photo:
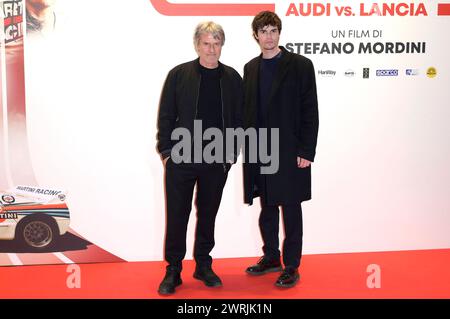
(404, 274)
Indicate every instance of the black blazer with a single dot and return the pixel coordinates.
(293, 109)
(179, 98)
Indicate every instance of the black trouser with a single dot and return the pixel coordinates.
(293, 227)
(180, 183)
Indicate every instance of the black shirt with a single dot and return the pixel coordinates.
(209, 108)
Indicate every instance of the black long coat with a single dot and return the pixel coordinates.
(293, 110)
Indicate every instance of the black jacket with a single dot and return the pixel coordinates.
(293, 109)
(179, 102)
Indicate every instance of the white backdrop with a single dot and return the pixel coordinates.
(381, 179)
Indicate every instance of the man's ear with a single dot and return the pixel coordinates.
(255, 36)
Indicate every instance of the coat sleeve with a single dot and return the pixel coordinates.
(167, 115)
(308, 117)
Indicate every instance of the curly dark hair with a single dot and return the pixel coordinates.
(263, 19)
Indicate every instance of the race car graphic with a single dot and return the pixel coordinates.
(34, 217)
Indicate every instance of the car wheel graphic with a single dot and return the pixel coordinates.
(37, 234)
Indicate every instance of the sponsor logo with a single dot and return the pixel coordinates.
(5, 215)
(365, 73)
(326, 73)
(386, 9)
(431, 72)
(393, 9)
(391, 72)
(62, 197)
(349, 73)
(8, 199)
(12, 16)
(40, 191)
(412, 71)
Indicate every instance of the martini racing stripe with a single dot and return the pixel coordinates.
(39, 207)
(51, 212)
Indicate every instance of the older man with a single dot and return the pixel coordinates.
(208, 91)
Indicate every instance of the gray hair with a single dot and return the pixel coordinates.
(209, 27)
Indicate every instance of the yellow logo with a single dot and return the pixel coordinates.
(431, 72)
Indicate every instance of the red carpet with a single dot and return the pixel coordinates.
(404, 274)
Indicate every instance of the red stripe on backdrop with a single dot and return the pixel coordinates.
(208, 9)
(443, 9)
(39, 259)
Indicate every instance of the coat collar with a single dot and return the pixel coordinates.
(253, 80)
(282, 70)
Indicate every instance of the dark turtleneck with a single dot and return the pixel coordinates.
(209, 100)
(267, 71)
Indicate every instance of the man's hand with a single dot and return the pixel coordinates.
(302, 163)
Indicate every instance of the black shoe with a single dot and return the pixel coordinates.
(207, 275)
(288, 278)
(264, 266)
(171, 280)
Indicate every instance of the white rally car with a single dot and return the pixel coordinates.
(33, 216)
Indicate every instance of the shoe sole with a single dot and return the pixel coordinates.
(166, 293)
(287, 285)
(276, 269)
(218, 284)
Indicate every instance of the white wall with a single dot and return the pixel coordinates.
(380, 180)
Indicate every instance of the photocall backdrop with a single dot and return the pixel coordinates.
(381, 179)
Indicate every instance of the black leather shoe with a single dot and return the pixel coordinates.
(264, 266)
(288, 278)
(171, 280)
(207, 275)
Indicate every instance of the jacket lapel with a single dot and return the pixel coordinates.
(282, 69)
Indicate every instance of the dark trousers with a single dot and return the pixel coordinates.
(293, 227)
(180, 182)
